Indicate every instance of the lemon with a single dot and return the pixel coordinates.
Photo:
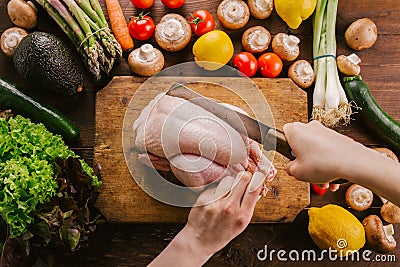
(214, 46)
(334, 227)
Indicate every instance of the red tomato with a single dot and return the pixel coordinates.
(142, 3)
(141, 27)
(270, 65)
(201, 22)
(173, 3)
(318, 190)
(245, 63)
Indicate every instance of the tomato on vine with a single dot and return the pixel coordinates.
(173, 3)
(270, 65)
(143, 4)
(201, 22)
(246, 63)
(141, 27)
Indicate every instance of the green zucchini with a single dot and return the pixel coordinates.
(37, 111)
(384, 125)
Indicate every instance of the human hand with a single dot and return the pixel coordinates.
(224, 212)
(321, 153)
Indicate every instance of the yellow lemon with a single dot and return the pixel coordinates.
(213, 50)
(293, 12)
(336, 228)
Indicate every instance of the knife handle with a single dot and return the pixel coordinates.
(276, 140)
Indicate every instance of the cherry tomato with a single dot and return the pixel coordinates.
(246, 63)
(201, 22)
(143, 4)
(141, 27)
(270, 65)
(318, 190)
(173, 3)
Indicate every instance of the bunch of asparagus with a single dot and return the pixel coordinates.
(84, 23)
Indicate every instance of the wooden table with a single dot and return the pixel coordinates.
(138, 244)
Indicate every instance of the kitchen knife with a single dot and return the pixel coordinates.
(269, 137)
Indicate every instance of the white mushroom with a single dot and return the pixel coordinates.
(359, 198)
(379, 237)
(233, 14)
(22, 14)
(146, 60)
(10, 40)
(256, 39)
(349, 65)
(301, 73)
(261, 9)
(286, 46)
(361, 34)
(173, 33)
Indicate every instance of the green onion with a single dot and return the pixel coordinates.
(330, 105)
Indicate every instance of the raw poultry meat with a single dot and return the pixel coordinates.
(198, 147)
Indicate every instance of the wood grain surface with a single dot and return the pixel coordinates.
(123, 200)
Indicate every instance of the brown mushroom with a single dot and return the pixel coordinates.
(386, 152)
(10, 40)
(379, 237)
(256, 39)
(390, 212)
(301, 73)
(146, 60)
(359, 198)
(172, 33)
(261, 9)
(286, 46)
(361, 34)
(348, 65)
(233, 14)
(22, 14)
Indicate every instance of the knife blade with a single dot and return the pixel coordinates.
(269, 137)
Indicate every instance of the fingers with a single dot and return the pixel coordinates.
(334, 187)
(239, 189)
(254, 192)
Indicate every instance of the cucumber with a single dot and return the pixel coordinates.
(53, 119)
(384, 125)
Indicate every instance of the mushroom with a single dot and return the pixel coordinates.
(390, 212)
(301, 73)
(256, 39)
(233, 14)
(146, 60)
(22, 14)
(379, 237)
(260, 9)
(359, 198)
(349, 65)
(10, 40)
(173, 32)
(361, 34)
(386, 152)
(286, 46)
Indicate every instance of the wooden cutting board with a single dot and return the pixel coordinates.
(122, 200)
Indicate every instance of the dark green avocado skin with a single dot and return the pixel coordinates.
(43, 59)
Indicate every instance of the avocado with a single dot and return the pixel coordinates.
(45, 60)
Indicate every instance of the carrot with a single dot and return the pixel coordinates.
(119, 25)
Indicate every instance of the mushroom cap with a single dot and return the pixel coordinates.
(361, 34)
(256, 39)
(173, 41)
(146, 67)
(302, 73)
(386, 152)
(9, 51)
(286, 46)
(376, 236)
(390, 212)
(233, 14)
(22, 14)
(358, 197)
(261, 9)
(346, 66)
